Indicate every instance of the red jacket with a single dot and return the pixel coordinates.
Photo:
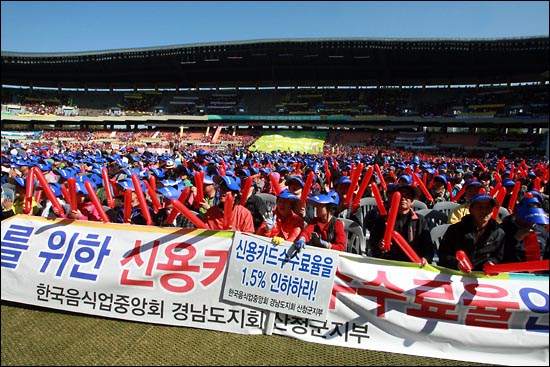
(241, 219)
(340, 237)
(288, 228)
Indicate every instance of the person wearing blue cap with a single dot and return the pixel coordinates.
(48, 209)
(136, 214)
(211, 195)
(341, 186)
(413, 227)
(167, 194)
(324, 230)
(200, 159)
(295, 184)
(509, 186)
(282, 223)
(439, 190)
(472, 188)
(477, 234)
(20, 194)
(86, 210)
(528, 217)
(241, 218)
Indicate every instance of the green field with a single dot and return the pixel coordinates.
(43, 337)
(290, 141)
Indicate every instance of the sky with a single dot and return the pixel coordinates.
(80, 26)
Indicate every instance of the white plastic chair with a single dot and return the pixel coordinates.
(502, 212)
(437, 234)
(434, 217)
(445, 206)
(423, 212)
(365, 206)
(355, 243)
(343, 214)
(417, 205)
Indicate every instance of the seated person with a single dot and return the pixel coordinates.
(241, 217)
(439, 189)
(283, 222)
(414, 229)
(477, 234)
(528, 217)
(457, 213)
(324, 230)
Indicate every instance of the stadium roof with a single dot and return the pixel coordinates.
(288, 62)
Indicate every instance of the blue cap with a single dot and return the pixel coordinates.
(56, 188)
(536, 194)
(481, 197)
(232, 183)
(175, 182)
(243, 171)
(508, 183)
(294, 178)
(208, 180)
(343, 180)
(66, 173)
(328, 198)
(531, 214)
(159, 172)
(96, 179)
(285, 194)
(21, 181)
(474, 183)
(170, 192)
(80, 187)
(442, 178)
(126, 184)
(392, 187)
(407, 178)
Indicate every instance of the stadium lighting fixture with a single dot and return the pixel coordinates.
(313, 55)
(335, 56)
(234, 57)
(210, 60)
(361, 57)
(188, 60)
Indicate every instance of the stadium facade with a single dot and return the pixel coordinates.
(365, 64)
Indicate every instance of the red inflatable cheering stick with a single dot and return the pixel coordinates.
(464, 263)
(228, 210)
(392, 216)
(29, 191)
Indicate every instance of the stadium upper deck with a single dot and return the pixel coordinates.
(290, 62)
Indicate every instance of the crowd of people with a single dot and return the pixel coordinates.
(295, 197)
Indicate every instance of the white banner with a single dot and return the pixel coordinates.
(148, 274)
(432, 312)
(176, 276)
(300, 286)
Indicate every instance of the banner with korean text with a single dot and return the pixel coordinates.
(179, 277)
(169, 276)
